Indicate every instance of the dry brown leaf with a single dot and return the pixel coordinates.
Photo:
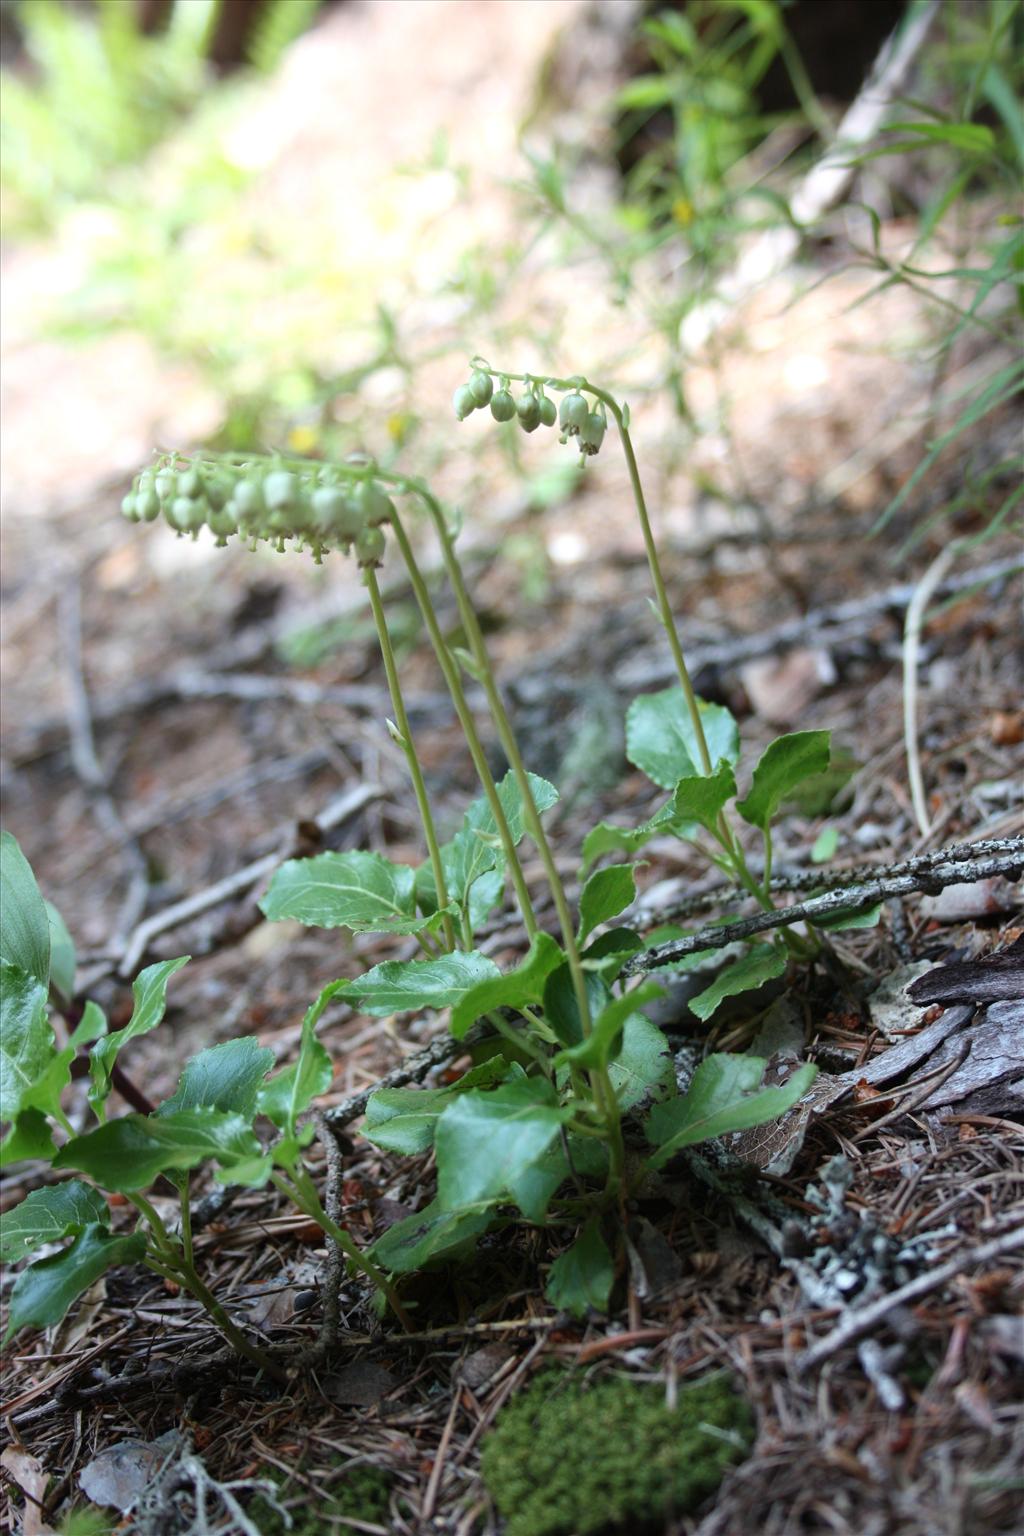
(27, 1471)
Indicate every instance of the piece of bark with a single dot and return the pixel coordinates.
(990, 1080)
(994, 978)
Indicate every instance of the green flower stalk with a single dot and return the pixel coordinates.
(586, 425)
(405, 740)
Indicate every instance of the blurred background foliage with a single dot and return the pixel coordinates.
(121, 134)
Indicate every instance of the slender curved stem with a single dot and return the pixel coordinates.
(507, 737)
(600, 1082)
(660, 592)
(186, 1219)
(409, 747)
(449, 668)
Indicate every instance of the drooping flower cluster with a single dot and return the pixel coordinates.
(577, 417)
(320, 507)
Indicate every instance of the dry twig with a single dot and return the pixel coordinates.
(952, 868)
(856, 1324)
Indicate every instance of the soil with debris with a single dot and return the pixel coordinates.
(173, 715)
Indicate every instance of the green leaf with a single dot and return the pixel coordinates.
(972, 138)
(533, 1187)
(825, 845)
(28, 1139)
(761, 963)
(361, 891)
(24, 926)
(48, 1215)
(91, 1026)
(582, 1277)
(476, 847)
(404, 1119)
(606, 838)
(286, 1095)
(702, 797)
(608, 954)
(129, 1153)
(851, 917)
(485, 893)
(45, 1094)
(782, 766)
(643, 1064)
(823, 793)
(660, 740)
(225, 1077)
(204, 1134)
(150, 993)
(607, 1028)
(62, 954)
(725, 1095)
(484, 1141)
(647, 93)
(561, 1011)
(433, 1235)
(522, 987)
(397, 985)
(27, 1045)
(44, 1292)
(605, 895)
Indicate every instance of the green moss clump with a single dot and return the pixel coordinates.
(566, 1460)
(362, 1493)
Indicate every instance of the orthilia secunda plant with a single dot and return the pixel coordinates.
(570, 1099)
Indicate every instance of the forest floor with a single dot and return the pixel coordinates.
(173, 714)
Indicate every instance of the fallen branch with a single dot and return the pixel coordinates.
(790, 878)
(856, 1324)
(936, 872)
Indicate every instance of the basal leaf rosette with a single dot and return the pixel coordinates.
(319, 507)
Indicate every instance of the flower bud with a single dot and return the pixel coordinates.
(481, 387)
(464, 401)
(129, 507)
(370, 545)
(222, 524)
(218, 491)
(592, 435)
(547, 411)
(247, 498)
(574, 413)
(190, 483)
(528, 411)
(374, 503)
(186, 515)
(279, 490)
(147, 505)
(165, 483)
(335, 513)
(503, 407)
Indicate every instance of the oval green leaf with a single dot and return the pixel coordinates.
(660, 739)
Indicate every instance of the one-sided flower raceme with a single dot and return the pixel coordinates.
(577, 417)
(317, 507)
